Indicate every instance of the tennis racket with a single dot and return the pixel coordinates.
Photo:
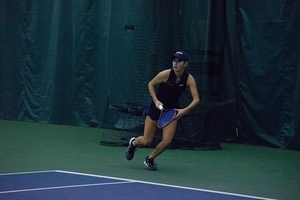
(166, 117)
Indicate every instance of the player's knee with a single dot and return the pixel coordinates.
(147, 142)
(166, 142)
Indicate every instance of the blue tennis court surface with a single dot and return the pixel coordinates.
(58, 184)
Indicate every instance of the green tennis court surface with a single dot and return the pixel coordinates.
(235, 169)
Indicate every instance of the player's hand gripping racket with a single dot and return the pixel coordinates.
(166, 117)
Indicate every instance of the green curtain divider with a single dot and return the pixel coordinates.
(68, 62)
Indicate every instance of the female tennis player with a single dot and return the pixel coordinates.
(172, 83)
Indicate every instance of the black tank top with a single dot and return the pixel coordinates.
(169, 92)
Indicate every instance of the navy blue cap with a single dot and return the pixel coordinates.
(181, 55)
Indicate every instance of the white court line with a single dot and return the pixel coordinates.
(32, 172)
(61, 187)
(166, 185)
(134, 181)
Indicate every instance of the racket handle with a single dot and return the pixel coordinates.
(161, 107)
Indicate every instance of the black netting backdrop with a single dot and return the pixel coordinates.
(161, 28)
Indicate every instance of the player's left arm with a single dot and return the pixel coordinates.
(191, 83)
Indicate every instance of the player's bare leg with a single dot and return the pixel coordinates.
(168, 135)
(149, 133)
(146, 139)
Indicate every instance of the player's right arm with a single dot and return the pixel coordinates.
(158, 79)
